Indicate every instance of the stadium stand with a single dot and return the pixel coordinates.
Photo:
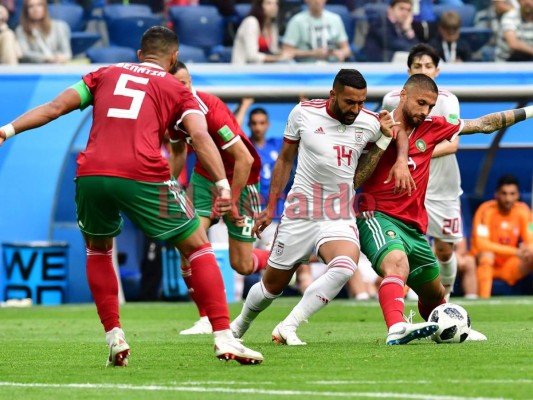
(111, 55)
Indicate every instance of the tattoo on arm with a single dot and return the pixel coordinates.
(492, 122)
(366, 165)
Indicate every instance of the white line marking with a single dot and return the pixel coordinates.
(423, 382)
(153, 388)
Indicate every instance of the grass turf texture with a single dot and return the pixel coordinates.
(59, 353)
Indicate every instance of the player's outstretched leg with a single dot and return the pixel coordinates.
(257, 300)
(319, 293)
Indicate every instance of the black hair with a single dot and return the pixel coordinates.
(422, 49)
(258, 110)
(159, 41)
(507, 179)
(421, 81)
(349, 77)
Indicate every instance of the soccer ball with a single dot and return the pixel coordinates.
(454, 323)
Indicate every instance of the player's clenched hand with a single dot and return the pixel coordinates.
(222, 204)
(235, 217)
(403, 181)
(387, 124)
(261, 222)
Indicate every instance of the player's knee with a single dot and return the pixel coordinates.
(395, 263)
(242, 267)
(444, 253)
(342, 268)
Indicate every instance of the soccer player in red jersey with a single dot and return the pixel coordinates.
(243, 166)
(393, 235)
(122, 170)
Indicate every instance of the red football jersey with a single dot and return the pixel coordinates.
(225, 130)
(408, 209)
(133, 106)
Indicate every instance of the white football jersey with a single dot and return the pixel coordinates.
(444, 177)
(328, 153)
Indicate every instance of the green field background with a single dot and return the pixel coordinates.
(60, 352)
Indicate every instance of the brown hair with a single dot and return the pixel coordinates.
(44, 26)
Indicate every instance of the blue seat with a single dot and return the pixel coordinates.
(200, 26)
(242, 10)
(476, 37)
(347, 19)
(81, 41)
(72, 14)
(191, 54)
(112, 11)
(466, 11)
(127, 31)
(111, 55)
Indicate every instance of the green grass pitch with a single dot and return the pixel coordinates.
(59, 353)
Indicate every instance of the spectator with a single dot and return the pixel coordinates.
(466, 266)
(9, 49)
(393, 33)
(490, 18)
(500, 237)
(257, 37)
(449, 46)
(42, 39)
(515, 38)
(316, 34)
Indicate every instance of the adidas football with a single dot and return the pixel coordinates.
(454, 323)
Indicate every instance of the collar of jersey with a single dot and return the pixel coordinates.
(152, 65)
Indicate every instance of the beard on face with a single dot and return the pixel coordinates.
(346, 118)
(412, 120)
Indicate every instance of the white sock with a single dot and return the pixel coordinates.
(257, 300)
(322, 290)
(448, 272)
(110, 335)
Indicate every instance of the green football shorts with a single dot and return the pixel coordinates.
(160, 210)
(381, 234)
(201, 190)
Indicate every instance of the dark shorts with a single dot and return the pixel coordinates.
(201, 192)
(381, 234)
(160, 210)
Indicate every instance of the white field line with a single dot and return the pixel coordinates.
(426, 382)
(154, 388)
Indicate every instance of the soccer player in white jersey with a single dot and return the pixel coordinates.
(328, 136)
(443, 193)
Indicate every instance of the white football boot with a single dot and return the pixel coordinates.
(284, 334)
(200, 327)
(403, 332)
(229, 348)
(476, 336)
(119, 351)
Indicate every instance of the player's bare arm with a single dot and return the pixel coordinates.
(368, 161)
(67, 101)
(403, 181)
(366, 165)
(241, 171)
(491, 122)
(280, 177)
(177, 158)
(207, 152)
(445, 148)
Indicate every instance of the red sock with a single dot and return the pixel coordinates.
(186, 275)
(391, 299)
(208, 286)
(104, 286)
(260, 258)
(425, 309)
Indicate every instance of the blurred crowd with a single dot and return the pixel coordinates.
(271, 31)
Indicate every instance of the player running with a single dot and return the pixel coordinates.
(122, 170)
(243, 166)
(393, 237)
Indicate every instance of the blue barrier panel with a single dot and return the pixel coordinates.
(36, 270)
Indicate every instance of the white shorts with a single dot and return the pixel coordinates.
(267, 237)
(444, 220)
(296, 239)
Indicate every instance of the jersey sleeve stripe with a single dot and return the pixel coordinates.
(290, 141)
(231, 142)
(187, 113)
